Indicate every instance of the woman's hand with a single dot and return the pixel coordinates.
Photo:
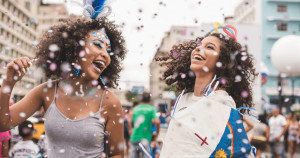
(16, 69)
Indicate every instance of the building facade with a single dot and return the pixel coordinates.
(20, 28)
(49, 14)
(279, 18)
(18, 23)
(246, 12)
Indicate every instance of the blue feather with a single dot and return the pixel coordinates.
(97, 5)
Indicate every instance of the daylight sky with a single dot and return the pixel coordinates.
(142, 44)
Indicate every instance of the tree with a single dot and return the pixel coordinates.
(131, 96)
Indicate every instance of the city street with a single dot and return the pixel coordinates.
(100, 78)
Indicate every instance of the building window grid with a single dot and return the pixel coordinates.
(26, 33)
(282, 27)
(281, 8)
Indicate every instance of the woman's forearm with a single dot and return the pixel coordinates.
(5, 93)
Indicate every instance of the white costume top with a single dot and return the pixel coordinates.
(199, 124)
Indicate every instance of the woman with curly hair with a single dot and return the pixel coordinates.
(215, 75)
(83, 56)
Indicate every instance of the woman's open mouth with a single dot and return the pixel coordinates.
(198, 57)
(99, 65)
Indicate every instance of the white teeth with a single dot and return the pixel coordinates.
(100, 62)
(198, 57)
(96, 68)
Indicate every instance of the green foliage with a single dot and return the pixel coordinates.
(131, 96)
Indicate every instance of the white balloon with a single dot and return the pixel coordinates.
(285, 55)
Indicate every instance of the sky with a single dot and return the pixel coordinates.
(156, 17)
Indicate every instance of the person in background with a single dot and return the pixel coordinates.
(143, 116)
(43, 145)
(278, 127)
(293, 134)
(260, 136)
(4, 144)
(126, 130)
(26, 147)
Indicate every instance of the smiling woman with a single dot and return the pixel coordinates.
(81, 58)
(71, 36)
(219, 55)
(215, 75)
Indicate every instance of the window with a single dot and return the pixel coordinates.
(281, 8)
(27, 5)
(282, 27)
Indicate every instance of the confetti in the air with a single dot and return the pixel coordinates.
(245, 94)
(53, 47)
(22, 114)
(205, 68)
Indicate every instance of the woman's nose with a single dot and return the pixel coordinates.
(198, 48)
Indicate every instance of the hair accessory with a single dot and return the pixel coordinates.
(96, 8)
(216, 24)
(228, 33)
(76, 71)
(228, 29)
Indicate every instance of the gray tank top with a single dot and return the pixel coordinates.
(83, 138)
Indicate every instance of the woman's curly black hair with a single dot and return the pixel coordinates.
(67, 36)
(236, 73)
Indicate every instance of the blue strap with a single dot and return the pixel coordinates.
(151, 150)
(247, 108)
(175, 106)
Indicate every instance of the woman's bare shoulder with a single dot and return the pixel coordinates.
(111, 102)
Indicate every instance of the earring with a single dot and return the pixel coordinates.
(76, 71)
(103, 82)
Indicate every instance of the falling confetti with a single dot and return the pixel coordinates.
(52, 66)
(22, 114)
(65, 67)
(245, 94)
(62, 150)
(219, 64)
(6, 89)
(182, 75)
(238, 78)
(53, 47)
(205, 68)
(223, 81)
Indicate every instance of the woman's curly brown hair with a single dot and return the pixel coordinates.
(236, 75)
(67, 36)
